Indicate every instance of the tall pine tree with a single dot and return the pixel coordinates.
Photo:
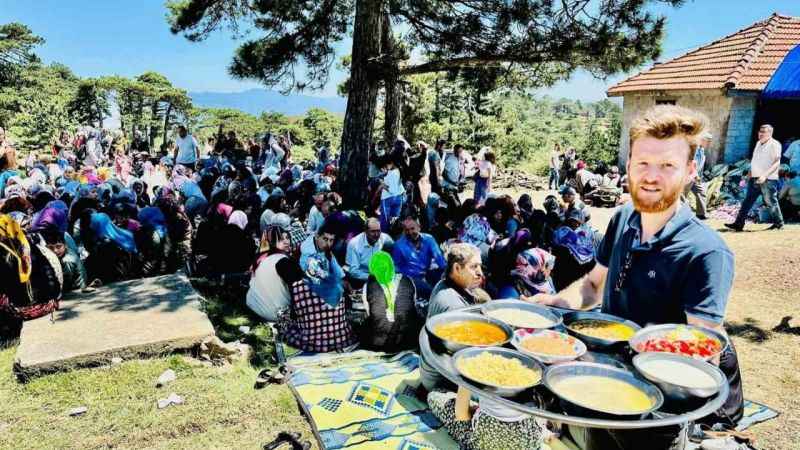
(296, 47)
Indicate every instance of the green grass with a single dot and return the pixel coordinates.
(221, 409)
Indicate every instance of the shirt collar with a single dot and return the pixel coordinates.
(679, 220)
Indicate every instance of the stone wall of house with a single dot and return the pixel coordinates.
(712, 102)
(740, 128)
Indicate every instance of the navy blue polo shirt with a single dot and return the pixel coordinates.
(686, 269)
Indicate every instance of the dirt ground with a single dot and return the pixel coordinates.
(763, 319)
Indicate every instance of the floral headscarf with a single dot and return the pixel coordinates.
(529, 271)
(579, 242)
(477, 231)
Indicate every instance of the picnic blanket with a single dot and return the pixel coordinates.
(362, 401)
(366, 400)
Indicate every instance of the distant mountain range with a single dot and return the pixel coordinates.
(256, 101)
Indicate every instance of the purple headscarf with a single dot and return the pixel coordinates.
(50, 219)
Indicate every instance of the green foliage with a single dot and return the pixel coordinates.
(519, 127)
(323, 126)
(37, 105)
(90, 104)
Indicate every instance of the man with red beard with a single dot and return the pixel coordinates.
(659, 264)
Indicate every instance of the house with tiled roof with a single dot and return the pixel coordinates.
(724, 80)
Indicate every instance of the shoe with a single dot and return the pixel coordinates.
(734, 226)
(702, 217)
(774, 226)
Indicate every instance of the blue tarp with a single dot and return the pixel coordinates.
(785, 82)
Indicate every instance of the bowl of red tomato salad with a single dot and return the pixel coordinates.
(685, 340)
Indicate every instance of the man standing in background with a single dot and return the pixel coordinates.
(554, 163)
(763, 180)
(186, 149)
(696, 186)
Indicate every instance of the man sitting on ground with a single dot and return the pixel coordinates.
(414, 254)
(463, 274)
(360, 250)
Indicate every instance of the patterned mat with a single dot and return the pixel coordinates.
(366, 401)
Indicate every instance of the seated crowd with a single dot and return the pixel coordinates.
(332, 278)
(97, 210)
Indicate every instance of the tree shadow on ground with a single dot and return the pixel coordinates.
(785, 327)
(226, 309)
(748, 329)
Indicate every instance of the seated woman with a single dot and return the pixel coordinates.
(491, 427)
(392, 323)
(179, 229)
(113, 255)
(477, 231)
(530, 275)
(268, 294)
(153, 242)
(51, 224)
(574, 245)
(318, 314)
(31, 274)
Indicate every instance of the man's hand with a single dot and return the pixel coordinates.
(761, 180)
(542, 299)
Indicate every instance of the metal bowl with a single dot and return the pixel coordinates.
(512, 304)
(455, 316)
(520, 335)
(574, 406)
(674, 391)
(655, 331)
(503, 391)
(591, 341)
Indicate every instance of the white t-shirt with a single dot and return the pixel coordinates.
(555, 160)
(268, 294)
(764, 156)
(394, 184)
(486, 169)
(187, 149)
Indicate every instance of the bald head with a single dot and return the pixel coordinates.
(373, 230)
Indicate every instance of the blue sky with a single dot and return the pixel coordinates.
(127, 37)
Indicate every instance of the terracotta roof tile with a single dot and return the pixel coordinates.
(744, 60)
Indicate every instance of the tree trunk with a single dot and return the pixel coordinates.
(361, 104)
(166, 123)
(392, 102)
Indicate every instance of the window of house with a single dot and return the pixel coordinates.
(665, 102)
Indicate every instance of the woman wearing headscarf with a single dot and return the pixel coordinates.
(31, 274)
(318, 316)
(113, 255)
(530, 275)
(574, 244)
(51, 223)
(392, 324)
(152, 240)
(179, 229)
(274, 274)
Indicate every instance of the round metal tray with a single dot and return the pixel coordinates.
(444, 365)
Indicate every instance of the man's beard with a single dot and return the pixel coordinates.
(668, 198)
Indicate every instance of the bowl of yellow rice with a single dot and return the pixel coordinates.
(502, 371)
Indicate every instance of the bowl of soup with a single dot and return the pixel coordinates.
(502, 371)
(454, 331)
(601, 391)
(520, 314)
(680, 378)
(598, 330)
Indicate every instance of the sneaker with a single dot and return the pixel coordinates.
(775, 226)
(734, 226)
(702, 217)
